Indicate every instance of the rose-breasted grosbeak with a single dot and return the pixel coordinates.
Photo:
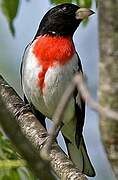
(49, 64)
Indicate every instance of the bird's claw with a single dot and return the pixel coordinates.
(43, 141)
(23, 109)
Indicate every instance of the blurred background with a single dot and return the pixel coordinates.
(28, 16)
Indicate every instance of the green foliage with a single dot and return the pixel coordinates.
(60, 1)
(9, 9)
(12, 166)
(16, 174)
(6, 147)
(84, 3)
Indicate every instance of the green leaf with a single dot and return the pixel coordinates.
(88, 3)
(60, 1)
(11, 164)
(10, 9)
(84, 3)
(7, 150)
(78, 2)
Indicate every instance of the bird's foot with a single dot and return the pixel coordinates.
(43, 139)
(23, 109)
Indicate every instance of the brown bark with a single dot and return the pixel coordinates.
(13, 111)
(108, 26)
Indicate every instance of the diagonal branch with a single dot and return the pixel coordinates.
(10, 124)
(77, 81)
(28, 134)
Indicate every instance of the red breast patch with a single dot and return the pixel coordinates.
(50, 50)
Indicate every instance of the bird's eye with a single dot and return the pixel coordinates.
(64, 8)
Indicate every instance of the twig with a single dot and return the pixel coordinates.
(57, 119)
(82, 89)
(35, 134)
(78, 82)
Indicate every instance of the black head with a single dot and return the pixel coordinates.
(62, 20)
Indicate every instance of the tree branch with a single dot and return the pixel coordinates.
(16, 118)
(10, 124)
(103, 111)
(77, 81)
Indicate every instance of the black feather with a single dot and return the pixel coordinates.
(79, 111)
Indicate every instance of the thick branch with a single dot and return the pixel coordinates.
(12, 107)
(12, 129)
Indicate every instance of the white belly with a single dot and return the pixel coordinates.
(56, 81)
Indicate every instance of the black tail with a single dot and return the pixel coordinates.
(80, 157)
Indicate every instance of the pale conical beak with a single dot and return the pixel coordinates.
(83, 13)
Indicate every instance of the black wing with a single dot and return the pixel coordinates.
(79, 110)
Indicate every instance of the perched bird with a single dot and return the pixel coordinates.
(49, 63)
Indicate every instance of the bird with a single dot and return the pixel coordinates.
(49, 63)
